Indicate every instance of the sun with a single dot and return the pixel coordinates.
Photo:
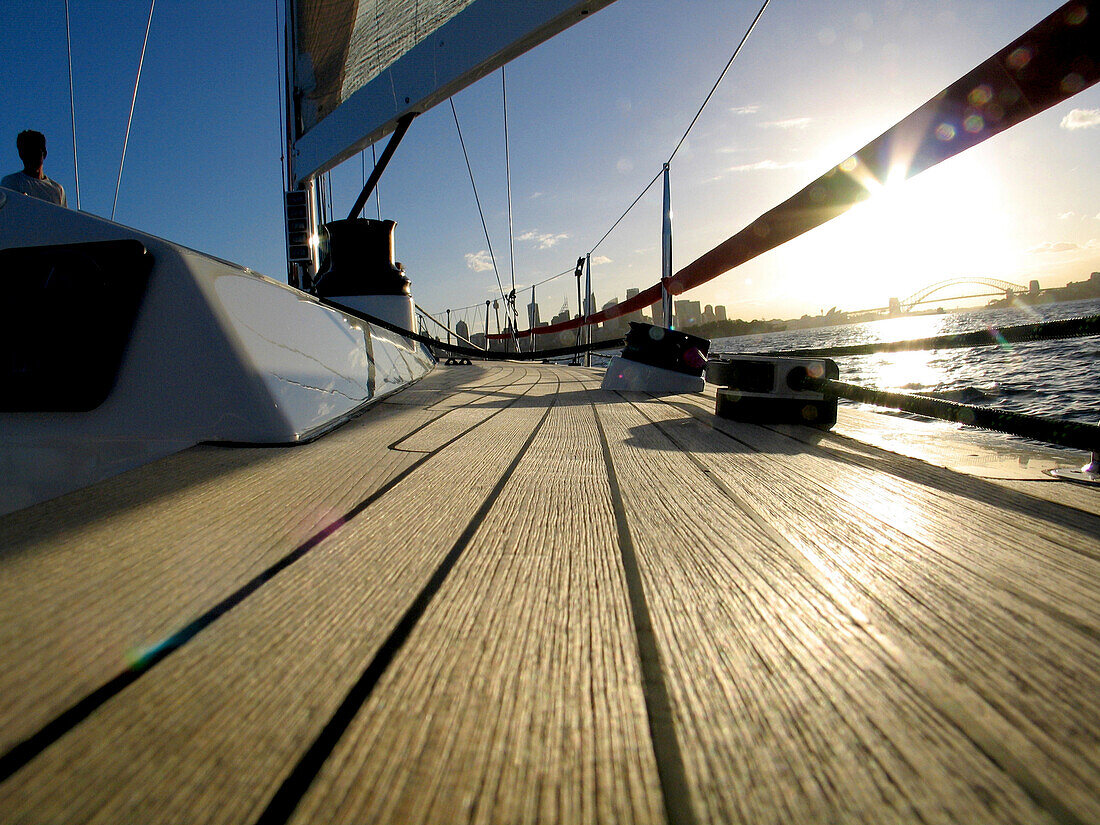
(948, 222)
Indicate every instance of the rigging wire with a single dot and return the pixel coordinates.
(133, 101)
(508, 189)
(72, 103)
(683, 137)
(280, 78)
(710, 94)
(627, 212)
(481, 212)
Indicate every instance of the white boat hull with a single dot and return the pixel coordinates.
(216, 353)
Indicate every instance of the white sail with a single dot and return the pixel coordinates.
(357, 66)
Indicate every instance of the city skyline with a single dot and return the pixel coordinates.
(593, 114)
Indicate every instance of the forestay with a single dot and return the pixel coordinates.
(357, 66)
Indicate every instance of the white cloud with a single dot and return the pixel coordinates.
(479, 261)
(789, 123)
(625, 165)
(1065, 216)
(1054, 247)
(543, 240)
(752, 109)
(761, 165)
(1081, 119)
(600, 260)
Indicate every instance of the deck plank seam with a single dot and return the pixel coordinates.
(21, 753)
(1008, 586)
(852, 451)
(914, 668)
(666, 746)
(289, 795)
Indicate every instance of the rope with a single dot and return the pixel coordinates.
(480, 212)
(1044, 331)
(72, 102)
(133, 102)
(1072, 434)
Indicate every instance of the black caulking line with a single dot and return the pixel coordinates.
(24, 751)
(294, 787)
(983, 739)
(658, 706)
(854, 461)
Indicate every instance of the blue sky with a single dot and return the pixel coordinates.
(592, 115)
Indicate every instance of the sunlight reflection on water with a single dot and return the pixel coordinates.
(1058, 378)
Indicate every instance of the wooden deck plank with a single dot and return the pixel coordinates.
(995, 465)
(209, 734)
(1033, 662)
(788, 711)
(845, 634)
(518, 697)
(90, 580)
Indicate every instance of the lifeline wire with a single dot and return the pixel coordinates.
(133, 101)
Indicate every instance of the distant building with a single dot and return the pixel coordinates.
(635, 316)
(561, 317)
(462, 330)
(533, 314)
(590, 305)
(720, 313)
(687, 313)
(708, 314)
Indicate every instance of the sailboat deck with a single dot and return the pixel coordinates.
(504, 595)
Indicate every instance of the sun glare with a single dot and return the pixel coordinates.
(945, 223)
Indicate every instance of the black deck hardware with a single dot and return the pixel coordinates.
(357, 259)
(769, 390)
(668, 349)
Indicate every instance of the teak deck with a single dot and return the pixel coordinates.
(504, 595)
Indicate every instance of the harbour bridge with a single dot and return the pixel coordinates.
(925, 295)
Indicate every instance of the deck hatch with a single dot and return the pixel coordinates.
(65, 328)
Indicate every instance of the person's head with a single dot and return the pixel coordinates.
(32, 147)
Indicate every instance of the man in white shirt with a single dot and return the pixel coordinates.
(32, 181)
